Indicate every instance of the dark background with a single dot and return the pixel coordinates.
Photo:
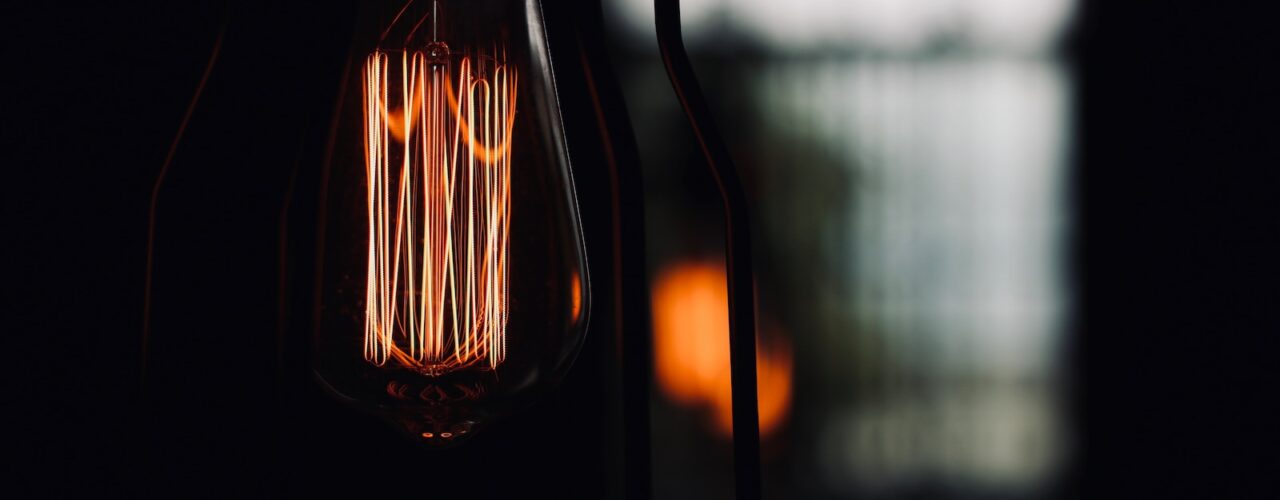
(1174, 186)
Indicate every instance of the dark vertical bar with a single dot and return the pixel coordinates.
(145, 350)
(742, 321)
(630, 294)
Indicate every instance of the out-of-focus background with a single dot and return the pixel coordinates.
(909, 164)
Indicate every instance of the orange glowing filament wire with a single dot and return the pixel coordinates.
(439, 211)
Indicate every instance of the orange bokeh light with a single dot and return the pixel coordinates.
(691, 347)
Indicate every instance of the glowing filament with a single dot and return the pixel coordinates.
(439, 208)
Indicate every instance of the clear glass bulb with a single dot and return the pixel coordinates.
(454, 283)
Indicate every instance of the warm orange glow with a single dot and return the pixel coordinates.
(691, 347)
(576, 292)
(439, 202)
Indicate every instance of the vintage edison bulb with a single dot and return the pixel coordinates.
(454, 285)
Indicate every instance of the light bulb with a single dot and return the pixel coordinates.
(454, 284)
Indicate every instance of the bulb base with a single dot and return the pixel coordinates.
(441, 427)
(437, 413)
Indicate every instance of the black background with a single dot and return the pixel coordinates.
(1178, 186)
(1176, 183)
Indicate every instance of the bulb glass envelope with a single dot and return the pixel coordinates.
(454, 280)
